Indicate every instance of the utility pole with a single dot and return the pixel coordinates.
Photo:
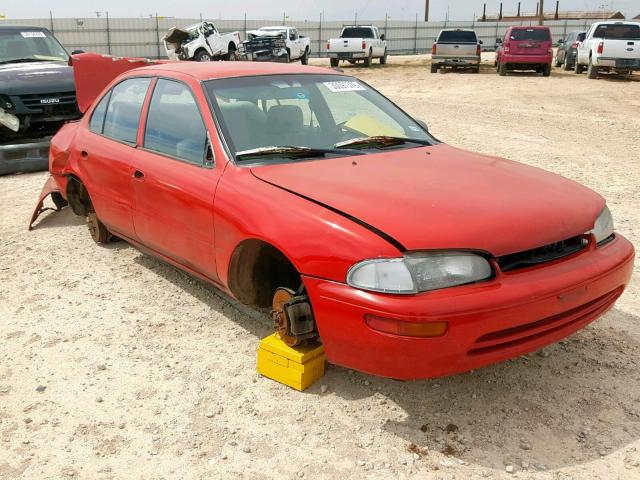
(557, 8)
(541, 13)
(500, 15)
(426, 10)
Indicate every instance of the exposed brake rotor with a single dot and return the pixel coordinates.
(280, 319)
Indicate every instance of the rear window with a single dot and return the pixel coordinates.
(541, 34)
(457, 36)
(620, 32)
(357, 33)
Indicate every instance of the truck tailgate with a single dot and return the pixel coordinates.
(621, 48)
(338, 45)
(456, 49)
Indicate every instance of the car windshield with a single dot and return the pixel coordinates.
(541, 34)
(323, 114)
(618, 31)
(354, 32)
(25, 44)
(457, 36)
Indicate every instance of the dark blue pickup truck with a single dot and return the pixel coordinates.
(37, 95)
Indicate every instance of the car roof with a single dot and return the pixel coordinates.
(532, 27)
(215, 70)
(458, 30)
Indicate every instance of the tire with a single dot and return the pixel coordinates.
(202, 56)
(578, 68)
(567, 66)
(383, 59)
(592, 71)
(231, 54)
(334, 62)
(475, 69)
(546, 70)
(558, 62)
(304, 60)
(368, 59)
(502, 69)
(97, 230)
(434, 68)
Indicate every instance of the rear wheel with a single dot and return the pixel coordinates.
(334, 62)
(502, 69)
(567, 65)
(98, 231)
(434, 68)
(368, 59)
(231, 53)
(546, 70)
(592, 71)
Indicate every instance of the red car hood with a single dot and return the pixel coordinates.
(442, 197)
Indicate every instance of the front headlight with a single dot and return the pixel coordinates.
(603, 228)
(419, 272)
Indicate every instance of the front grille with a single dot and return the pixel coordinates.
(56, 103)
(521, 335)
(543, 254)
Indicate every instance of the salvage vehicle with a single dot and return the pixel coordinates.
(525, 48)
(357, 43)
(609, 47)
(297, 46)
(306, 190)
(37, 96)
(568, 49)
(264, 48)
(456, 48)
(201, 42)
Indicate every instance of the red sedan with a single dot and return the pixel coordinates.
(305, 189)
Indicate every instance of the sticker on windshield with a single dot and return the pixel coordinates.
(33, 34)
(343, 86)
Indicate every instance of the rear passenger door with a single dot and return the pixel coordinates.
(174, 180)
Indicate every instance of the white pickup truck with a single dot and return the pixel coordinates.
(298, 47)
(609, 46)
(201, 42)
(357, 43)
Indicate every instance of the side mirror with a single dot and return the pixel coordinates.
(498, 41)
(382, 37)
(480, 42)
(75, 52)
(423, 124)
(560, 42)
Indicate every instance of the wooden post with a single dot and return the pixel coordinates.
(484, 12)
(518, 9)
(415, 37)
(557, 8)
(157, 35)
(426, 11)
(541, 13)
(51, 19)
(500, 15)
(108, 34)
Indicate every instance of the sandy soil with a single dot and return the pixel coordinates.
(114, 365)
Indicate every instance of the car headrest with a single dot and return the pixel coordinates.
(285, 118)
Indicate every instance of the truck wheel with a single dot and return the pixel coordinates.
(202, 56)
(334, 62)
(304, 60)
(368, 59)
(546, 70)
(231, 53)
(578, 68)
(502, 70)
(434, 68)
(567, 66)
(592, 71)
(383, 59)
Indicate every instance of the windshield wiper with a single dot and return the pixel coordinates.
(21, 60)
(288, 151)
(380, 141)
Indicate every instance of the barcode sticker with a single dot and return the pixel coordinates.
(344, 86)
(33, 34)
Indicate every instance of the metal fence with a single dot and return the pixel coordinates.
(141, 36)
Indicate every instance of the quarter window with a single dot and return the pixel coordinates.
(123, 114)
(174, 124)
(97, 117)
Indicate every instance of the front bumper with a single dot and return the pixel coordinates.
(515, 313)
(455, 61)
(24, 157)
(527, 59)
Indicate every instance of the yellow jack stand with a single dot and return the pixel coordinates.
(297, 367)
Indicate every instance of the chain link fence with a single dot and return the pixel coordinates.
(140, 37)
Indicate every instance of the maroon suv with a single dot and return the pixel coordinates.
(525, 48)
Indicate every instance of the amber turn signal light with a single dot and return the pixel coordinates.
(407, 329)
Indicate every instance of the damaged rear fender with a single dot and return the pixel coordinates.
(52, 188)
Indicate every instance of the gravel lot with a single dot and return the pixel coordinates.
(115, 365)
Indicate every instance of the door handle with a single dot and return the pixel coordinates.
(138, 175)
(84, 154)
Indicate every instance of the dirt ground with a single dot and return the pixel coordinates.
(114, 365)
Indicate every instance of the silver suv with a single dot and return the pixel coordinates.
(456, 48)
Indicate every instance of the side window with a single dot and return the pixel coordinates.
(97, 117)
(123, 115)
(174, 125)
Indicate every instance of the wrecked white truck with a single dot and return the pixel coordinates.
(263, 46)
(201, 42)
(37, 95)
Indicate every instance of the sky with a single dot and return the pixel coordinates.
(295, 10)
